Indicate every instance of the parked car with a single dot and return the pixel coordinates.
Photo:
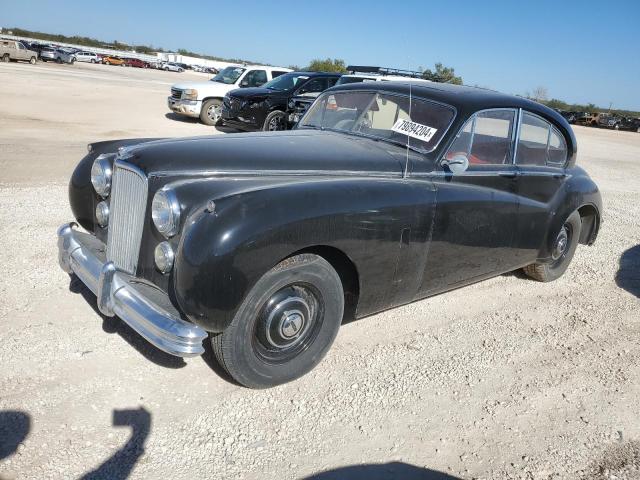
(64, 56)
(113, 60)
(88, 57)
(568, 116)
(384, 194)
(265, 107)
(632, 124)
(607, 120)
(135, 62)
(172, 67)
(13, 50)
(203, 100)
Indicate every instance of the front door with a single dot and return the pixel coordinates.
(477, 204)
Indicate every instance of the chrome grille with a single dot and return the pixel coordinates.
(128, 204)
(176, 93)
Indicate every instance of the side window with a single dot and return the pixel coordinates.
(486, 138)
(313, 87)
(532, 144)
(540, 143)
(557, 149)
(332, 81)
(255, 78)
(276, 73)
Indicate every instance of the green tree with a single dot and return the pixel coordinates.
(442, 74)
(327, 65)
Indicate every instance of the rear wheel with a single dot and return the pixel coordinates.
(32, 60)
(274, 122)
(285, 325)
(5, 58)
(58, 60)
(564, 246)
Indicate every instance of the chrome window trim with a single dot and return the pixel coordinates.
(474, 117)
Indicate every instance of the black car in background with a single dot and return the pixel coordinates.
(264, 108)
(570, 117)
(632, 124)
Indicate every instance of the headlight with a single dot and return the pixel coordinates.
(163, 256)
(102, 214)
(165, 212)
(190, 94)
(101, 176)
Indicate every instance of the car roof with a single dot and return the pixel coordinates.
(317, 74)
(463, 98)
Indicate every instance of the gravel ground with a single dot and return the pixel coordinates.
(508, 378)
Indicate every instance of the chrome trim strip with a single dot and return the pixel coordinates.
(489, 173)
(274, 173)
(516, 137)
(117, 297)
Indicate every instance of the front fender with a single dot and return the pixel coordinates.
(223, 253)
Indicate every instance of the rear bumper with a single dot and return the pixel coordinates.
(142, 306)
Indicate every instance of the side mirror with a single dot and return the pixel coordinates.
(244, 83)
(458, 164)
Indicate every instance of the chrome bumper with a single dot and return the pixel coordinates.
(145, 308)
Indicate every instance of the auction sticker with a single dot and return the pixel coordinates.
(415, 130)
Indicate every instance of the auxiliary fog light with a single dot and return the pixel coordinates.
(102, 214)
(164, 257)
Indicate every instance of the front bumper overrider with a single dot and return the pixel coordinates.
(144, 307)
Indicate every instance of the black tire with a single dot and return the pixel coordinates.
(275, 121)
(72, 61)
(32, 60)
(270, 340)
(93, 60)
(58, 60)
(548, 272)
(5, 58)
(208, 114)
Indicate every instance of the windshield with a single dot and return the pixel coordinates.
(419, 124)
(229, 75)
(287, 81)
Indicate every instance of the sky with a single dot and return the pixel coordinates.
(580, 51)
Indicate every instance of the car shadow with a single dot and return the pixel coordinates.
(212, 362)
(181, 118)
(128, 334)
(628, 276)
(14, 429)
(383, 471)
(120, 465)
(225, 129)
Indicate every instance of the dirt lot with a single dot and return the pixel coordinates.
(505, 379)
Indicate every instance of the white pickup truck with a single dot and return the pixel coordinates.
(204, 99)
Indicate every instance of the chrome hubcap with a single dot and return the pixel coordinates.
(213, 112)
(561, 244)
(287, 323)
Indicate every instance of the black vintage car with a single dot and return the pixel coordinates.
(265, 107)
(384, 194)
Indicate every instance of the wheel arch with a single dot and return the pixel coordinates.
(590, 217)
(346, 270)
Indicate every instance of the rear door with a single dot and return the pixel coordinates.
(541, 155)
(476, 215)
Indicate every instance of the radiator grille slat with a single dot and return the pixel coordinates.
(127, 209)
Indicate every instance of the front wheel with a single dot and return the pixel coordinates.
(285, 325)
(564, 246)
(275, 121)
(32, 60)
(210, 113)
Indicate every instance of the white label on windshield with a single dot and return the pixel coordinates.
(415, 130)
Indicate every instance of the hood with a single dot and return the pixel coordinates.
(298, 152)
(252, 92)
(202, 85)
